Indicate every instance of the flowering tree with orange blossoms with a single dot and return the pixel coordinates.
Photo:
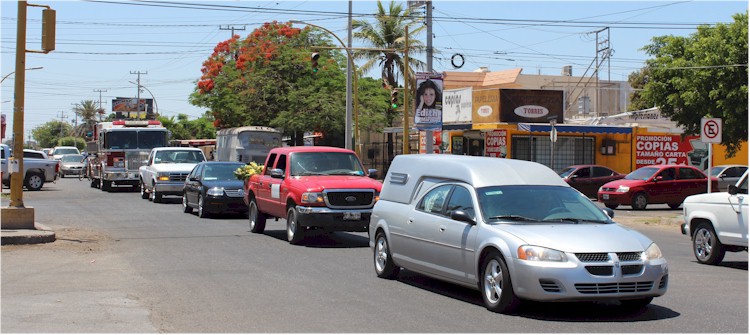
(266, 79)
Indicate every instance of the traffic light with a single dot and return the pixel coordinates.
(394, 98)
(314, 59)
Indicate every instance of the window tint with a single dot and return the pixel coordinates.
(433, 201)
(269, 163)
(281, 163)
(583, 173)
(461, 201)
(688, 173)
(602, 172)
(667, 174)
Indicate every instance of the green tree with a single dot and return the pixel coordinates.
(637, 81)
(48, 134)
(87, 111)
(703, 75)
(184, 129)
(72, 141)
(266, 79)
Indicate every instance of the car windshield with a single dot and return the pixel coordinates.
(178, 156)
(532, 204)
(716, 170)
(220, 171)
(325, 163)
(643, 173)
(72, 158)
(65, 151)
(566, 172)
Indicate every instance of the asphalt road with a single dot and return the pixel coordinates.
(125, 265)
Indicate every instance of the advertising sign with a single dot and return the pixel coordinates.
(670, 149)
(518, 105)
(495, 143)
(457, 106)
(436, 139)
(2, 126)
(428, 106)
(486, 106)
(129, 107)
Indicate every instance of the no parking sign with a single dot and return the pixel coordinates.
(711, 130)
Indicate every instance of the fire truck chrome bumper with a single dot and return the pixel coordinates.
(121, 176)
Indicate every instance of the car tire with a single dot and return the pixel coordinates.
(94, 183)
(612, 206)
(674, 206)
(384, 265)
(144, 194)
(155, 196)
(706, 245)
(640, 201)
(495, 284)
(635, 304)
(185, 206)
(255, 217)
(104, 185)
(294, 232)
(34, 181)
(202, 212)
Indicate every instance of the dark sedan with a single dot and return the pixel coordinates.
(587, 179)
(212, 187)
(656, 184)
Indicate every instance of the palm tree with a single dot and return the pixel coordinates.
(388, 32)
(87, 111)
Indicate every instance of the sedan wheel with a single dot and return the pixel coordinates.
(202, 213)
(384, 266)
(294, 232)
(639, 201)
(495, 285)
(706, 246)
(256, 218)
(185, 206)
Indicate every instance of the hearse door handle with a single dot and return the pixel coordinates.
(410, 221)
(442, 229)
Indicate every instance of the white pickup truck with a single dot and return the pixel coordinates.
(717, 222)
(166, 170)
(36, 171)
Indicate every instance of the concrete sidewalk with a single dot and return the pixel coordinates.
(42, 234)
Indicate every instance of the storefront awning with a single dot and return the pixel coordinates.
(565, 128)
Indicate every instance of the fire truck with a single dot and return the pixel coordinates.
(119, 148)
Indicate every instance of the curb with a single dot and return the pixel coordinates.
(41, 234)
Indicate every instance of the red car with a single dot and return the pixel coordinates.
(587, 179)
(656, 184)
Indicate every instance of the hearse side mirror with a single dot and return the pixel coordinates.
(277, 173)
(460, 215)
(372, 173)
(733, 189)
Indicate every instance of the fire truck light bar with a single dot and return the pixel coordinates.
(136, 123)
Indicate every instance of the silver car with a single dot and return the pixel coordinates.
(71, 164)
(727, 175)
(512, 229)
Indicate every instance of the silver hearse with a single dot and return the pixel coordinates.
(512, 229)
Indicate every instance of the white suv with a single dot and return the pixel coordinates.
(717, 222)
(58, 152)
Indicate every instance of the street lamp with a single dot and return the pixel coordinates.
(351, 85)
(156, 106)
(29, 69)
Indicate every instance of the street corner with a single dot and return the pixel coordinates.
(41, 234)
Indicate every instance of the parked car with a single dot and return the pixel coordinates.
(58, 152)
(510, 228)
(717, 222)
(589, 178)
(656, 184)
(727, 174)
(212, 187)
(71, 164)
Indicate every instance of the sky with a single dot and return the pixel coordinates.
(104, 47)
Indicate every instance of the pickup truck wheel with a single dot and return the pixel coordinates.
(155, 196)
(706, 245)
(34, 181)
(294, 232)
(144, 194)
(185, 207)
(202, 212)
(495, 285)
(384, 266)
(639, 201)
(256, 218)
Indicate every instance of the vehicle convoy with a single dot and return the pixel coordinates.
(656, 184)
(717, 222)
(166, 170)
(36, 171)
(512, 229)
(119, 148)
(212, 187)
(314, 188)
(246, 144)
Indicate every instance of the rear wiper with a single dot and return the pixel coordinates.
(512, 217)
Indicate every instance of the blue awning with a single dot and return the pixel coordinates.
(569, 128)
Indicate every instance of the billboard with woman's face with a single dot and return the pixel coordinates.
(428, 106)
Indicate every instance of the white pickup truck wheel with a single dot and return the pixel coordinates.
(706, 245)
(144, 194)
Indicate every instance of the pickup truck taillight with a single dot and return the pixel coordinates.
(57, 166)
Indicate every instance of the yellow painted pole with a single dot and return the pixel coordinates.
(16, 179)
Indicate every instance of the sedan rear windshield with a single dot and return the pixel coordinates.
(524, 204)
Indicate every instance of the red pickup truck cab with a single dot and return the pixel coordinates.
(313, 188)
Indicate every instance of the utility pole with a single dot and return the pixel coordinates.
(349, 69)
(138, 101)
(62, 121)
(232, 28)
(429, 133)
(100, 111)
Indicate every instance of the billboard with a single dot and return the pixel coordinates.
(457, 106)
(533, 106)
(131, 108)
(670, 149)
(428, 105)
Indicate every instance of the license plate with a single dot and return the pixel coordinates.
(352, 215)
(605, 196)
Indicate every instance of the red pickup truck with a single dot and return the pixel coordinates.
(314, 188)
